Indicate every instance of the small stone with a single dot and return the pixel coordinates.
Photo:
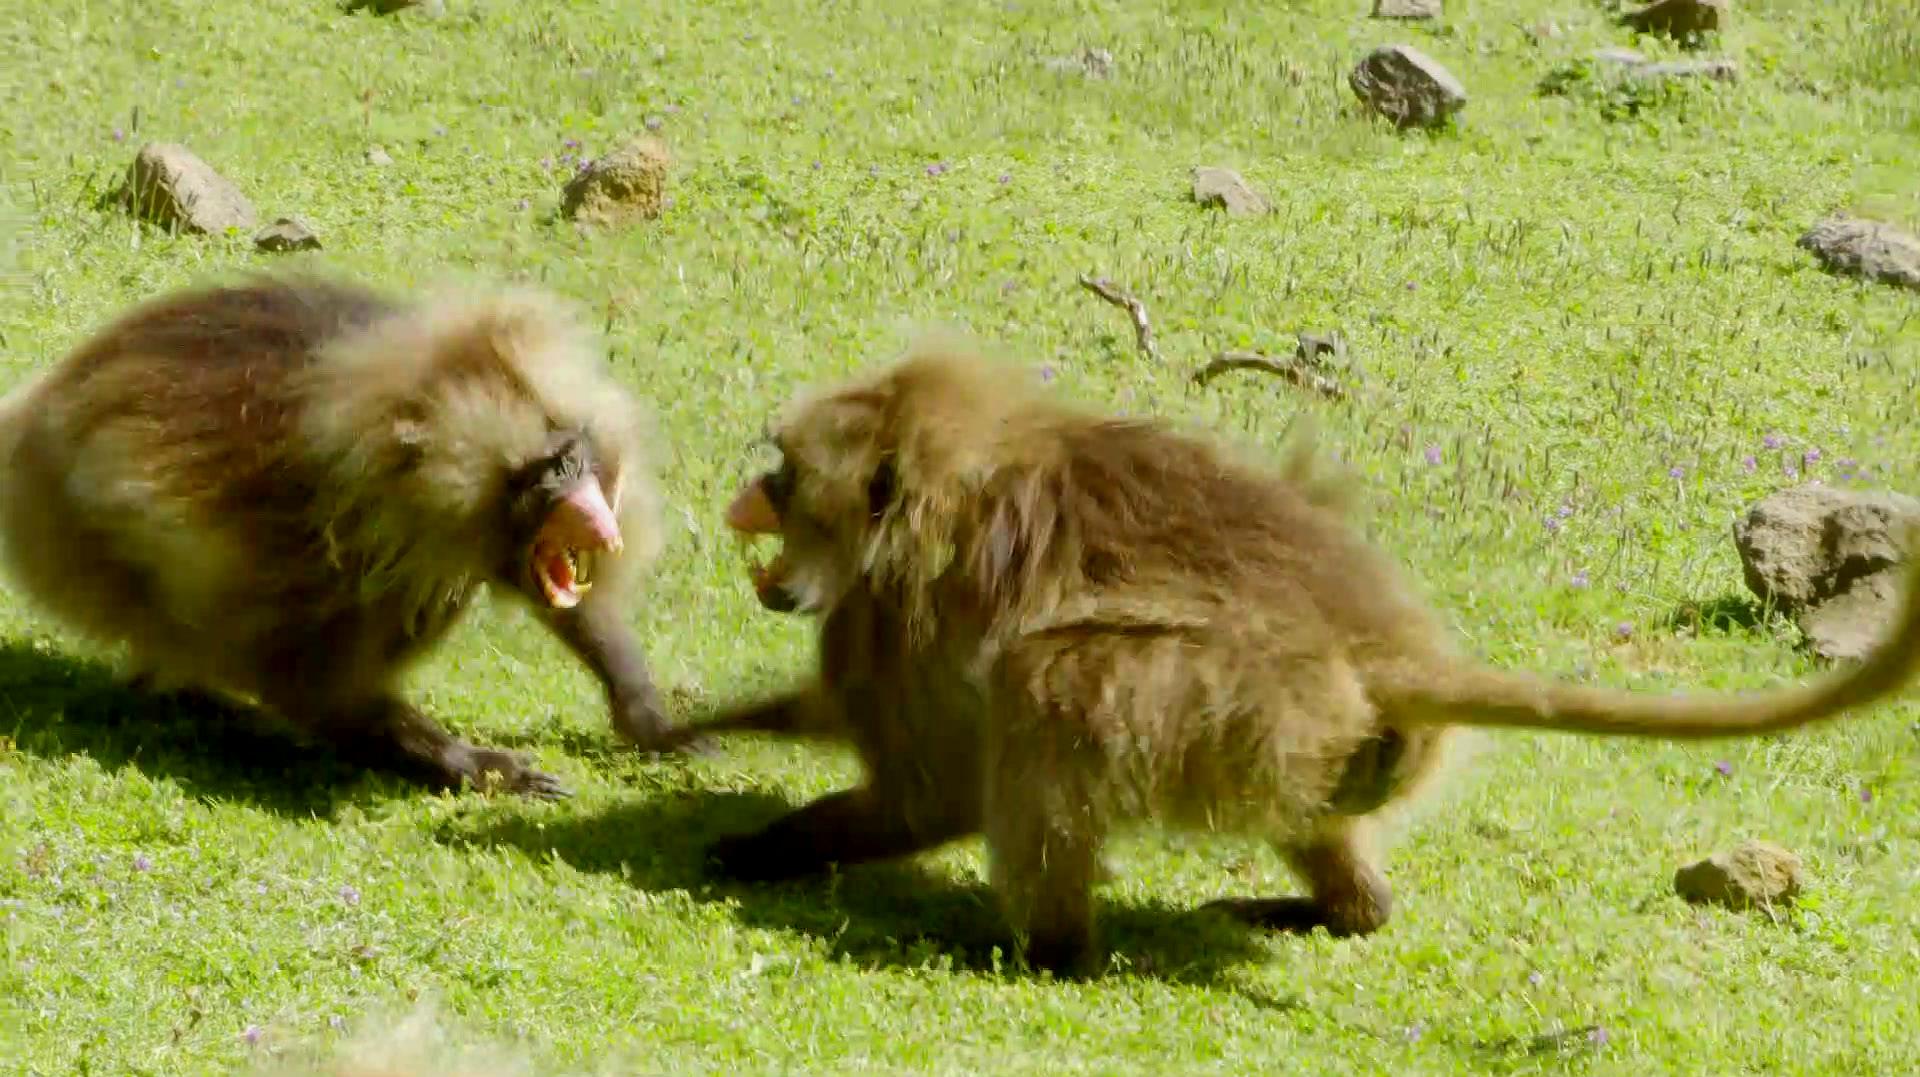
(1712, 70)
(1865, 248)
(168, 185)
(1406, 9)
(1224, 188)
(1753, 873)
(627, 184)
(286, 234)
(1682, 20)
(1833, 558)
(1407, 86)
(379, 158)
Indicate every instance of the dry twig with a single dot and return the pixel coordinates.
(1294, 369)
(1136, 310)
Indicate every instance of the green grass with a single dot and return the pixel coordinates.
(1568, 300)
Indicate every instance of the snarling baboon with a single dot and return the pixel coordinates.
(1039, 622)
(288, 490)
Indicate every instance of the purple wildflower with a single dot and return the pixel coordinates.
(546, 164)
(1046, 372)
(937, 168)
(1747, 464)
(1866, 795)
(1552, 524)
(141, 862)
(1598, 1036)
(654, 123)
(1433, 454)
(1006, 178)
(1624, 629)
(1810, 457)
(251, 1034)
(571, 143)
(1771, 441)
(1792, 472)
(338, 1023)
(1579, 580)
(816, 166)
(1416, 1030)
(1535, 978)
(350, 895)
(1725, 768)
(1676, 472)
(119, 135)
(522, 204)
(1565, 510)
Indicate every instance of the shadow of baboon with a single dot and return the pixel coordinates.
(1726, 613)
(56, 704)
(882, 915)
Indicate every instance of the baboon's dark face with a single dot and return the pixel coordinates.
(561, 523)
(820, 498)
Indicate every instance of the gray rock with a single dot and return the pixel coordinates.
(379, 157)
(1753, 873)
(168, 185)
(1865, 248)
(1682, 20)
(1712, 70)
(286, 234)
(1224, 188)
(1831, 558)
(1407, 86)
(626, 185)
(1406, 9)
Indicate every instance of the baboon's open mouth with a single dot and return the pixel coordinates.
(566, 551)
(752, 516)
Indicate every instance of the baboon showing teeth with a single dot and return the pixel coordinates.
(289, 490)
(1038, 623)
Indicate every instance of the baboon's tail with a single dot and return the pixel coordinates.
(1491, 697)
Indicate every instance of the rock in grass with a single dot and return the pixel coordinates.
(1682, 20)
(170, 186)
(1406, 9)
(626, 185)
(286, 234)
(378, 157)
(1865, 248)
(1223, 188)
(1407, 86)
(1753, 873)
(1831, 558)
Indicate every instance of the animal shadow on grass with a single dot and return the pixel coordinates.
(879, 915)
(57, 705)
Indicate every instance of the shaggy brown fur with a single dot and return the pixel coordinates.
(287, 491)
(1039, 623)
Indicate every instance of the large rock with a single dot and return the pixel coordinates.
(1864, 248)
(1831, 558)
(170, 186)
(1682, 20)
(1224, 188)
(1407, 86)
(628, 184)
(1753, 873)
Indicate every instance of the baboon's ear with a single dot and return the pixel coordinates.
(880, 489)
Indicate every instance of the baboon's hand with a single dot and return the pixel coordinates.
(509, 772)
(643, 725)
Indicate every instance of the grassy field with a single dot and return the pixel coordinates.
(1577, 326)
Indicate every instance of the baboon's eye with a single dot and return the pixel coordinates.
(880, 488)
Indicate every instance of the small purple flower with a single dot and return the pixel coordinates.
(816, 166)
(1676, 472)
(937, 168)
(350, 895)
(141, 862)
(794, 100)
(1552, 524)
(1579, 580)
(546, 164)
(667, 202)
(1810, 457)
(1415, 1031)
(1433, 454)
(1005, 178)
(654, 123)
(1598, 1036)
(119, 135)
(1866, 795)
(1748, 463)
(1792, 472)
(522, 204)
(1623, 630)
(337, 1023)
(1046, 372)
(585, 163)
(571, 143)
(1771, 441)
(251, 1034)
(1535, 978)
(1725, 768)
(1565, 510)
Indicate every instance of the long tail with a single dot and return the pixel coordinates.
(1491, 697)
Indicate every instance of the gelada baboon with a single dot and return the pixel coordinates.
(285, 491)
(1039, 623)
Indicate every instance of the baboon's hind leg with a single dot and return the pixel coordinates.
(849, 827)
(1349, 895)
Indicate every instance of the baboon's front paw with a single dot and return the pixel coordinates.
(1286, 915)
(497, 771)
(644, 727)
